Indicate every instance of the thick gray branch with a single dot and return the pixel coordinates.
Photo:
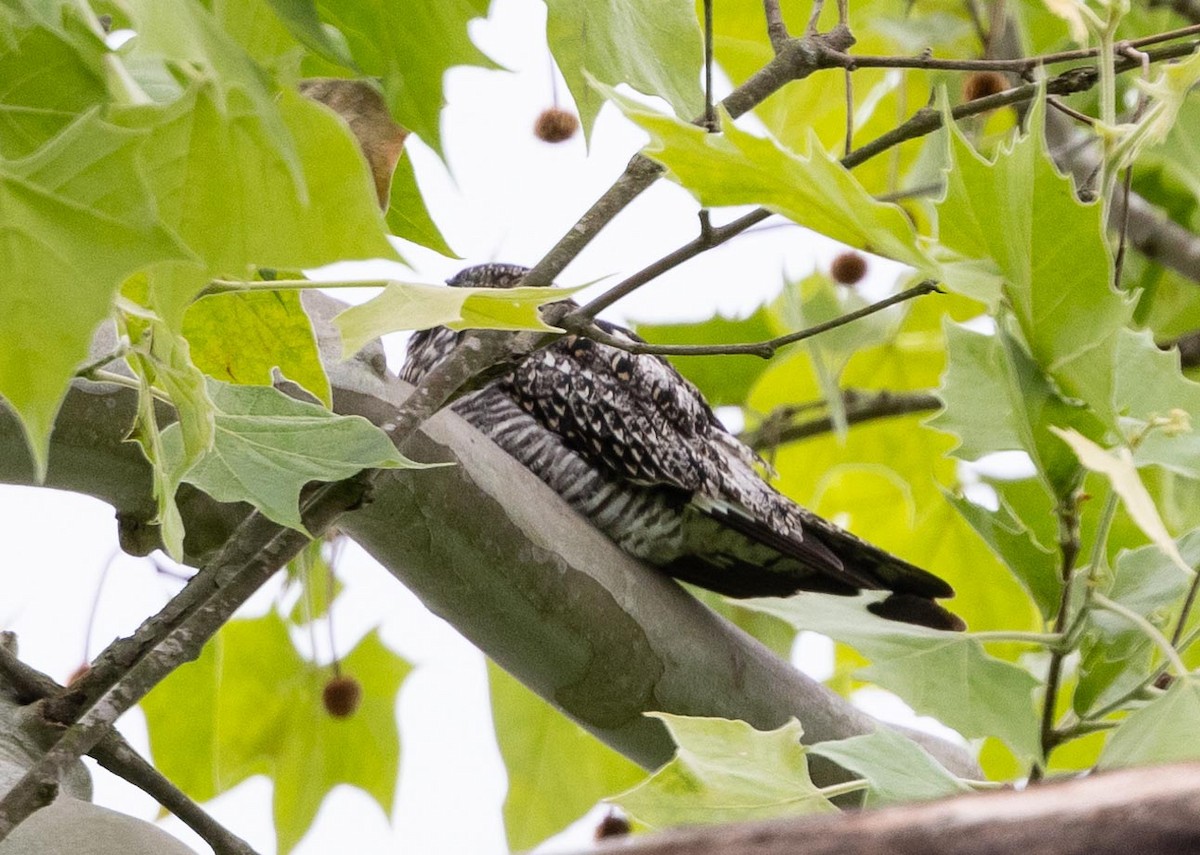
(1138, 810)
(489, 547)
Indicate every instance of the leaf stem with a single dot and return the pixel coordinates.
(1047, 639)
(835, 790)
(1149, 629)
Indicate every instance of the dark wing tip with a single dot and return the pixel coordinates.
(910, 608)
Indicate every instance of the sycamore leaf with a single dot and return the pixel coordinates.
(52, 73)
(413, 306)
(267, 446)
(240, 337)
(944, 674)
(1015, 544)
(811, 188)
(1150, 386)
(1160, 732)
(254, 707)
(82, 190)
(304, 23)
(656, 48)
(897, 769)
(1118, 466)
(409, 47)
(407, 215)
(726, 771)
(1021, 215)
(557, 771)
(997, 399)
(228, 191)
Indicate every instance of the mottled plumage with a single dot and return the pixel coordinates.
(635, 448)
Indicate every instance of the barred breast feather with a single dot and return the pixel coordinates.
(634, 447)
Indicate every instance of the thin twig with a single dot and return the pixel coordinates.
(814, 18)
(1082, 118)
(1023, 65)
(117, 756)
(1186, 611)
(849, 144)
(710, 115)
(1123, 230)
(859, 407)
(763, 349)
(1068, 546)
(777, 30)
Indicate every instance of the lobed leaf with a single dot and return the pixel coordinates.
(656, 48)
(413, 306)
(267, 446)
(896, 768)
(944, 674)
(726, 771)
(254, 707)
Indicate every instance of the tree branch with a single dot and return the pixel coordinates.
(761, 349)
(781, 427)
(595, 632)
(117, 756)
(1142, 810)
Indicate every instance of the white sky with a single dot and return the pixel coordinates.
(510, 198)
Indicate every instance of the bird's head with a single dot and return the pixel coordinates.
(489, 276)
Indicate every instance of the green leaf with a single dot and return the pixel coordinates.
(998, 399)
(407, 215)
(1150, 387)
(1160, 732)
(267, 446)
(656, 48)
(303, 21)
(239, 337)
(224, 185)
(557, 771)
(944, 674)
(254, 707)
(1015, 544)
(1118, 466)
(409, 47)
(51, 73)
(726, 771)
(78, 219)
(1022, 216)
(726, 380)
(413, 306)
(897, 769)
(811, 188)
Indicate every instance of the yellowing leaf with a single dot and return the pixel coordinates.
(1119, 468)
(413, 306)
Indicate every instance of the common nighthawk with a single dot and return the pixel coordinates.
(635, 448)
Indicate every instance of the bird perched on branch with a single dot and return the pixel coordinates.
(634, 447)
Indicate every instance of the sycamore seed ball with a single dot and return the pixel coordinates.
(848, 268)
(982, 84)
(341, 696)
(555, 125)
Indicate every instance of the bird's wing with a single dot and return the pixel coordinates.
(637, 418)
